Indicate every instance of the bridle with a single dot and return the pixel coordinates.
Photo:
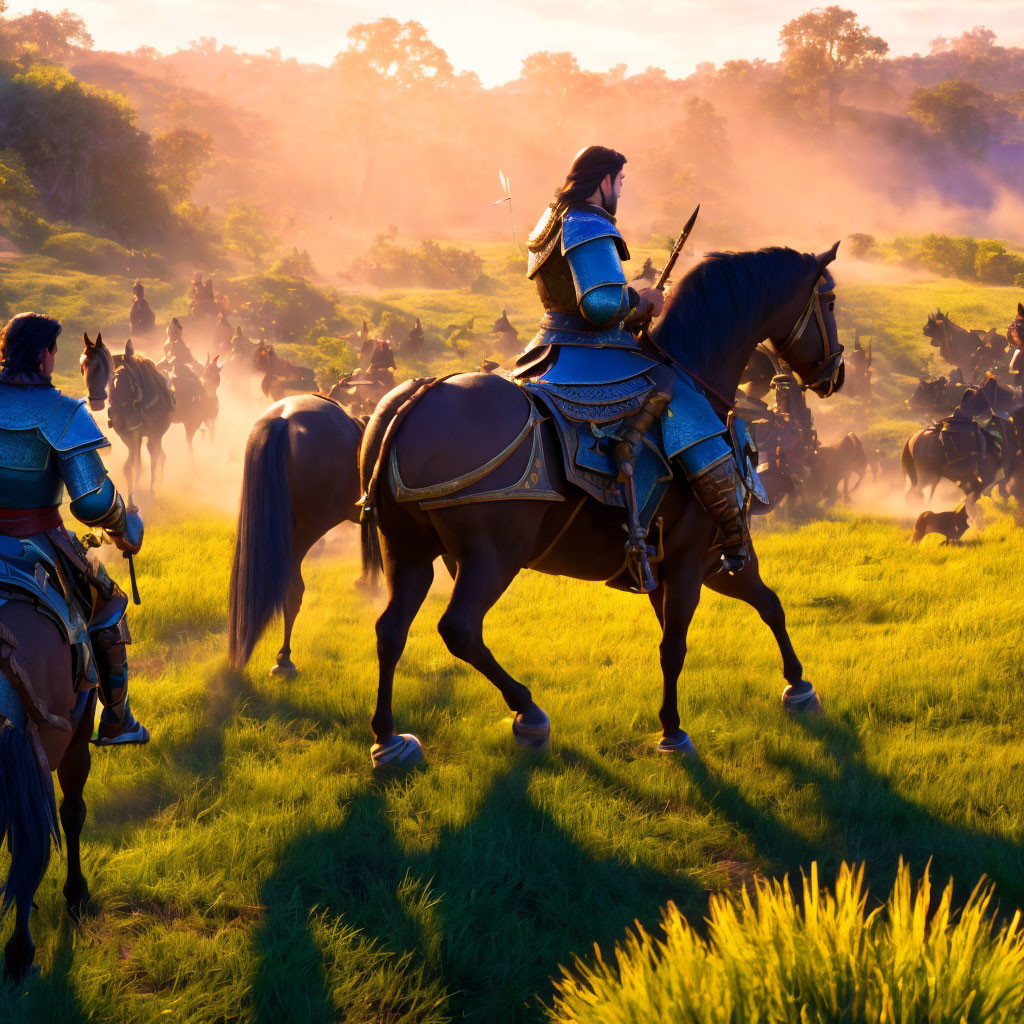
(97, 398)
(831, 363)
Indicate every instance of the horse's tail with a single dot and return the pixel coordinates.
(378, 436)
(28, 813)
(263, 545)
(907, 462)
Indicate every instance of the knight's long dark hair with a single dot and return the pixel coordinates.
(24, 340)
(588, 170)
(724, 297)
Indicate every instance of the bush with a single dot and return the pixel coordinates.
(290, 306)
(823, 960)
(433, 265)
(950, 255)
(87, 252)
(994, 265)
(862, 246)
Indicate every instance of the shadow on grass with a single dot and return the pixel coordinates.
(866, 820)
(483, 919)
(47, 997)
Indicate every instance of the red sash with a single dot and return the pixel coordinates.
(23, 522)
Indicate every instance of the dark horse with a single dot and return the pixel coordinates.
(141, 402)
(433, 432)
(925, 461)
(300, 479)
(44, 727)
(281, 377)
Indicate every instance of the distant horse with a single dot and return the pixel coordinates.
(833, 465)
(361, 391)
(195, 398)
(926, 461)
(438, 433)
(141, 403)
(44, 727)
(971, 351)
(300, 479)
(280, 377)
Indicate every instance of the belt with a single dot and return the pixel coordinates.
(23, 522)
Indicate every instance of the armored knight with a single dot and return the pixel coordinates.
(48, 443)
(593, 333)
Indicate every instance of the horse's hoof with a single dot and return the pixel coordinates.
(680, 744)
(533, 734)
(285, 669)
(803, 700)
(403, 750)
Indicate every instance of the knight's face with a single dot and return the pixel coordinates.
(611, 189)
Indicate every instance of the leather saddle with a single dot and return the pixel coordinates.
(588, 419)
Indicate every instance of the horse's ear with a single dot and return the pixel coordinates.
(129, 348)
(99, 338)
(1020, 309)
(825, 258)
(85, 339)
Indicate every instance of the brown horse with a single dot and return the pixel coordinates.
(434, 432)
(925, 461)
(834, 465)
(141, 403)
(300, 479)
(44, 727)
(280, 377)
(195, 398)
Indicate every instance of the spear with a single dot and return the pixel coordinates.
(506, 187)
(676, 250)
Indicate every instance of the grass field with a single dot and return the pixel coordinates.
(246, 866)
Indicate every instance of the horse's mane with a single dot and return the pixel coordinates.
(724, 297)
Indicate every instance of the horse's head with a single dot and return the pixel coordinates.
(803, 332)
(211, 374)
(125, 412)
(96, 365)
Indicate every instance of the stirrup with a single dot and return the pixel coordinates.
(639, 565)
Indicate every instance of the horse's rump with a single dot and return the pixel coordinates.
(471, 438)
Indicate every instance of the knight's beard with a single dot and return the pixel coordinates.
(610, 203)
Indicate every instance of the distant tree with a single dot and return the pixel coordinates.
(979, 42)
(823, 48)
(550, 70)
(180, 155)
(51, 36)
(960, 112)
(862, 246)
(386, 60)
(246, 231)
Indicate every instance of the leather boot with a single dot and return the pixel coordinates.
(625, 453)
(717, 489)
(627, 449)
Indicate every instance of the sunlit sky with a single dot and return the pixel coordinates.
(491, 37)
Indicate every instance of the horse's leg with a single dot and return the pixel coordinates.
(408, 579)
(131, 464)
(156, 460)
(748, 586)
(73, 772)
(680, 596)
(482, 577)
(292, 603)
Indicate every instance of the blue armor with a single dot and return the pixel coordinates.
(49, 442)
(578, 269)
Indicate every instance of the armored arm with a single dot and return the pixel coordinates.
(94, 500)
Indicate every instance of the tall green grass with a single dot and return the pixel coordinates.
(820, 959)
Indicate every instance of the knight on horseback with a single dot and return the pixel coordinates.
(593, 333)
(50, 443)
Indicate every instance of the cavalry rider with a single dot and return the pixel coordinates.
(141, 318)
(175, 347)
(593, 333)
(48, 443)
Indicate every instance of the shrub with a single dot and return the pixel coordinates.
(994, 265)
(433, 265)
(862, 246)
(293, 306)
(88, 252)
(821, 960)
(950, 255)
